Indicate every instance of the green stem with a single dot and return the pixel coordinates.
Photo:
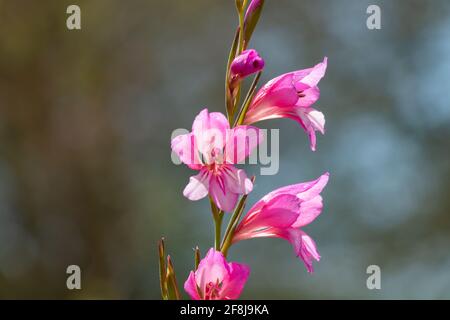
(229, 104)
(218, 217)
(248, 99)
(232, 224)
(232, 94)
(241, 27)
(218, 234)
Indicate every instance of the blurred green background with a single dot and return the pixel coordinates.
(85, 124)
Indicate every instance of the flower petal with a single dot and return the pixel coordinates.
(240, 143)
(210, 131)
(304, 191)
(309, 211)
(190, 286)
(236, 180)
(185, 148)
(237, 278)
(216, 279)
(205, 120)
(198, 186)
(317, 73)
(221, 194)
(304, 247)
(308, 97)
(279, 213)
(311, 120)
(313, 188)
(273, 100)
(211, 268)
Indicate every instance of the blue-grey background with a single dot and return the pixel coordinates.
(85, 124)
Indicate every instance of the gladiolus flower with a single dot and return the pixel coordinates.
(245, 64)
(291, 95)
(282, 213)
(216, 279)
(213, 148)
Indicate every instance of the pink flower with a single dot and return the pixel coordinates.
(282, 213)
(291, 95)
(216, 279)
(213, 148)
(245, 64)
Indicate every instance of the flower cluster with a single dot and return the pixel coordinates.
(219, 142)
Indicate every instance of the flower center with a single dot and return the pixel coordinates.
(214, 168)
(300, 94)
(212, 290)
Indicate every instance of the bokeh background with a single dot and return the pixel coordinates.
(85, 124)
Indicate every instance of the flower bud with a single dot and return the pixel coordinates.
(251, 18)
(245, 64)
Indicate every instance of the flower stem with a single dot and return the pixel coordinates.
(232, 95)
(218, 217)
(248, 99)
(229, 104)
(241, 27)
(218, 234)
(232, 224)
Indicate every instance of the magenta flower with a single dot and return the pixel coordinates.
(291, 95)
(216, 279)
(245, 64)
(282, 213)
(213, 149)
